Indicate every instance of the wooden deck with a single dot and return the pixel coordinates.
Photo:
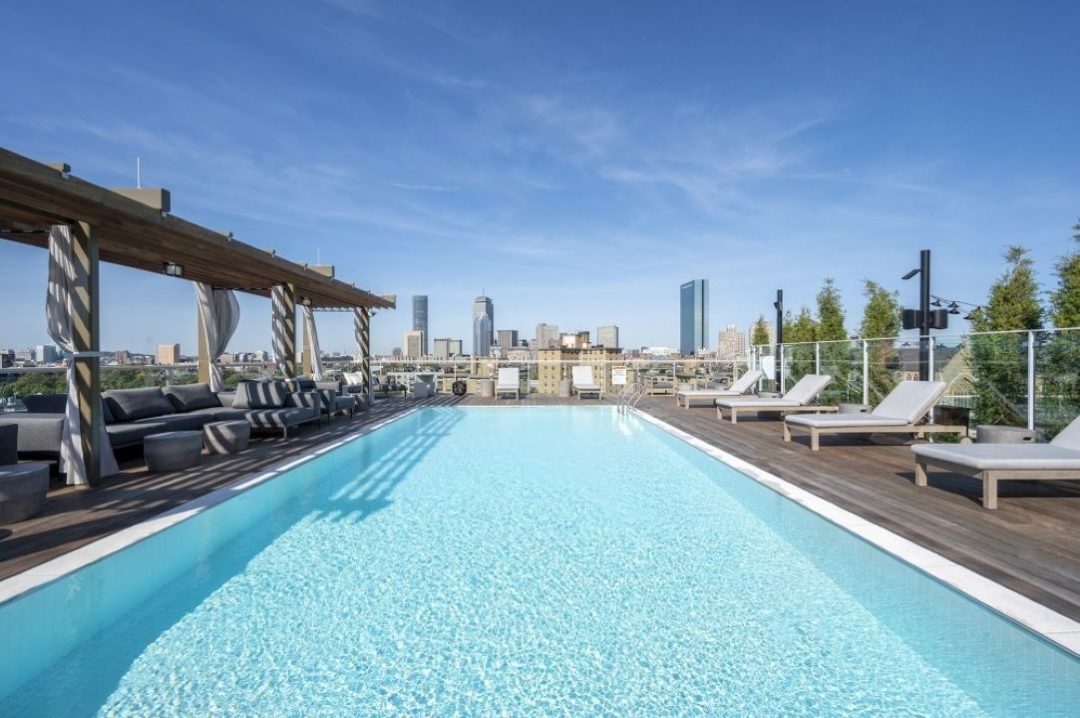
(1030, 544)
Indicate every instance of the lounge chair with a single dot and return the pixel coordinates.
(740, 386)
(797, 399)
(584, 383)
(1058, 460)
(898, 413)
(509, 382)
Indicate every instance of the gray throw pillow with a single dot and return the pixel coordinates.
(133, 404)
(189, 397)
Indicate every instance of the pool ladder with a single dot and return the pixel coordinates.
(629, 396)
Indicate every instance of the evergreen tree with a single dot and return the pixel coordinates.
(800, 333)
(1065, 300)
(1059, 374)
(881, 320)
(835, 351)
(999, 361)
(760, 334)
(830, 314)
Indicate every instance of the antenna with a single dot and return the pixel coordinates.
(138, 172)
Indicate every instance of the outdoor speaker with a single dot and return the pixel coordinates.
(939, 319)
(911, 319)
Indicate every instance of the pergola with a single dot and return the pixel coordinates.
(134, 228)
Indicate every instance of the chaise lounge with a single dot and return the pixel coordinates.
(797, 399)
(991, 463)
(898, 413)
(584, 383)
(509, 382)
(740, 386)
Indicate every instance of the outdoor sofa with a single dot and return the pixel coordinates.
(991, 463)
(740, 386)
(130, 415)
(898, 413)
(797, 399)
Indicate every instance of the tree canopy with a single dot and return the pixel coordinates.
(1014, 297)
(881, 315)
(830, 313)
(1065, 299)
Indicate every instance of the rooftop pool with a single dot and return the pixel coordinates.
(525, 561)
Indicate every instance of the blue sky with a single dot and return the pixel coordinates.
(576, 161)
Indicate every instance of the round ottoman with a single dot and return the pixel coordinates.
(172, 450)
(565, 386)
(22, 491)
(487, 388)
(227, 437)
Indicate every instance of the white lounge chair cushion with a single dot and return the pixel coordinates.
(708, 393)
(753, 402)
(808, 388)
(583, 378)
(509, 378)
(1069, 437)
(911, 400)
(804, 392)
(745, 382)
(835, 421)
(1003, 456)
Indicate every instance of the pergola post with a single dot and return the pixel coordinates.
(362, 330)
(204, 350)
(307, 367)
(86, 338)
(283, 299)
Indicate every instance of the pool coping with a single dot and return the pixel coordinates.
(1044, 622)
(57, 568)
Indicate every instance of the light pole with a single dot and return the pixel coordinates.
(779, 306)
(923, 320)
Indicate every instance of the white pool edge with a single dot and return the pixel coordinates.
(1045, 622)
(36, 577)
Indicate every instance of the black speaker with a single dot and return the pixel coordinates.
(939, 319)
(911, 319)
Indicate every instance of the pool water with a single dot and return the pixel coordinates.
(536, 561)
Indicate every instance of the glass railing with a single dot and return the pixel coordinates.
(1017, 378)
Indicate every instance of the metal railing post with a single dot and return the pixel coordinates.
(817, 357)
(865, 373)
(930, 358)
(780, 369)
(1031, 380)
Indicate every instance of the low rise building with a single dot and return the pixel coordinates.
(553, 365)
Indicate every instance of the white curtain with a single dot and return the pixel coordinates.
(313, 343)
(220, 313)
(59, 316)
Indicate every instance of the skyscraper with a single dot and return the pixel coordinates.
(447, 348)
(483, 321)
(419, 318)
(547, 336)
(693, 316)
(608, 336)
(507, 340)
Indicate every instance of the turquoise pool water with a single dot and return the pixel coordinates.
(541, 561)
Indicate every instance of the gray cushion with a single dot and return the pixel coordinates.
(45, 403)
(132, 404)
(277, 418)
(220, 413)
(911, 400)
(188, 397)
(9, 444)
(1003, 456)
(121, 435)
(300, 384)
(39, 434)
(260, 395)
(178, 422)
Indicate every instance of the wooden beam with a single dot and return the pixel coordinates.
(86, 338)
